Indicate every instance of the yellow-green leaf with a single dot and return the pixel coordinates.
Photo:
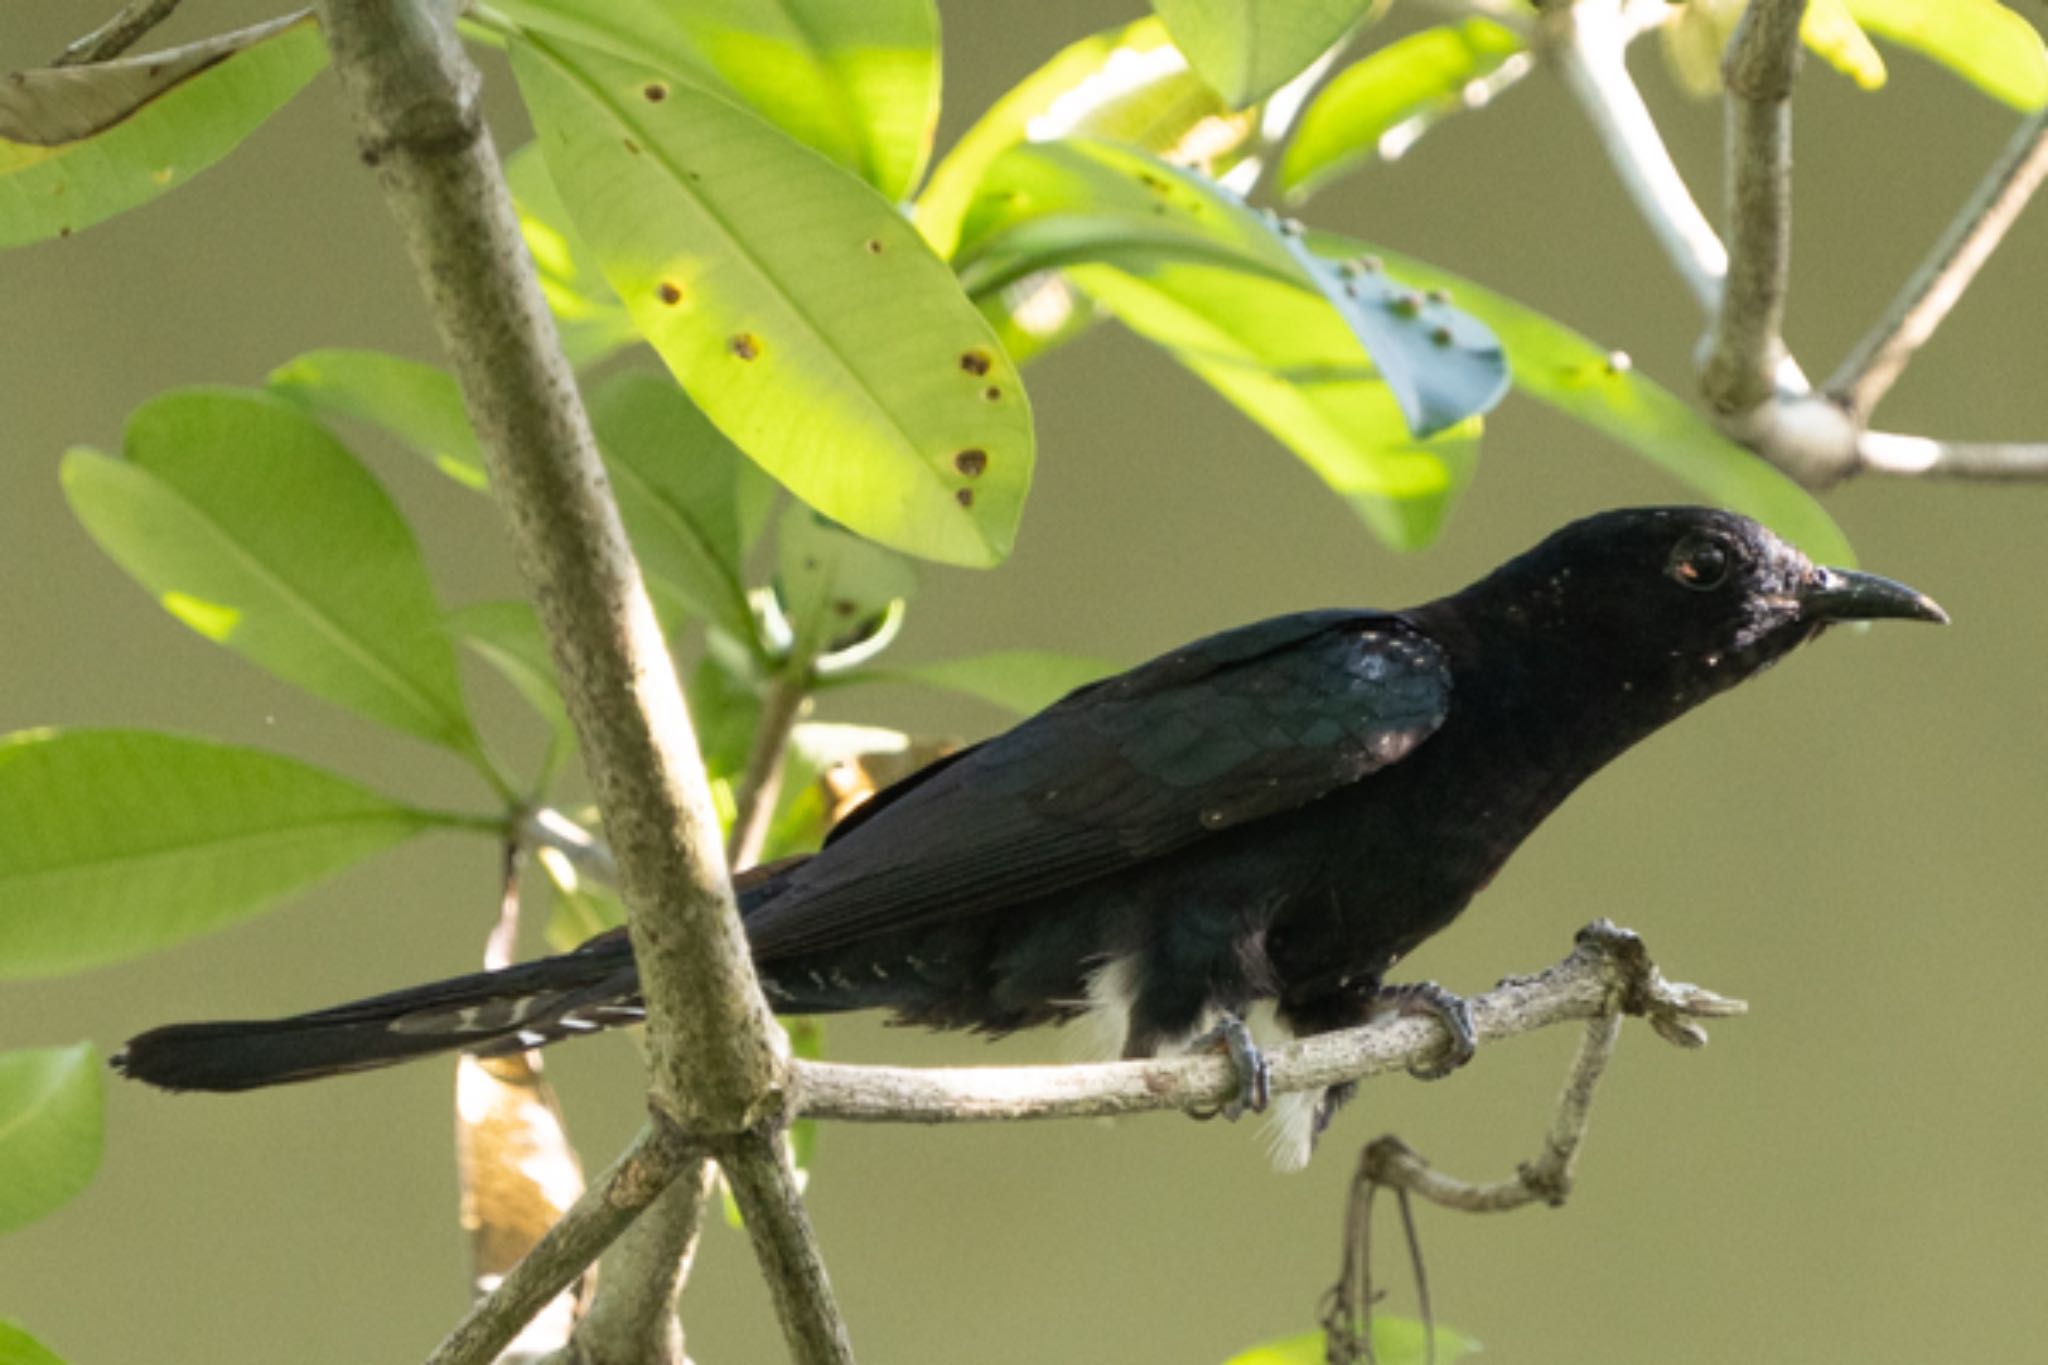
(51, 1129)
(1982, 41)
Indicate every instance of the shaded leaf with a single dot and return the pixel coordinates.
(1128, 84)
(1074, 201)
(1557, 366)
(507, 636)
(1395, 1341)
(582, 908)
(1292, 366)
(593, 323)
(52, 1127)
(1024, 681)
(1247, 49)
(834, 587)
(17, 1347)
(725, 710)
(1982, 41)
(255, 527)
(118, 842)
(1380, 105)
(844, 360)
(518, 1176)
(418, 404)
(680, 485)
(79, 144)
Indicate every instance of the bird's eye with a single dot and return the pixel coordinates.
(1701, 563)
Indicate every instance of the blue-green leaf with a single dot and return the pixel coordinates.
(118, 842)
(51, 1129)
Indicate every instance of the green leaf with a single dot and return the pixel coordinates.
(1247, 49)
(507, 635)
(859, 83)
(17, 1347)
(1292, 366)
(51, 1130)
(680, 486)
(79, 144)
(1832, 34)
(581, 908)
(118, 842)
(1982, 41)
(1557, 366)
(835, 587)
(1062, 203)
(592, 321)
(418, 404)
(725, 710)
(1395, 1341)
(1128, 84)
(804, 316)
(255, 527)
(1024, 681)
(1379, 106)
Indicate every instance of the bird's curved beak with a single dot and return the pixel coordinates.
(1845, 595)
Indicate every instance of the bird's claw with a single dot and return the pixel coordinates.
(1232, 1039)
(1431, 1001)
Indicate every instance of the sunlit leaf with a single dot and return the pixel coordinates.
(1024, 681)
(51, 1129)
(1379, 106)
(257, 528)
(803, 314)
(1982, 41)
(419, 404)
(680, 485)
(1695, 39)
(1395, 1341)
(1128, 84)
(1247, 49)
(118, 842)
(17, 1347)
(518, 1176)
(1292, 366)
(1832, 34)
(593, 323)
(858, 82)
(1065, 203)
(1557, 366)
(79, 144)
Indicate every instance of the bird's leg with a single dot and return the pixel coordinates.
(1431, 1001)
(1254, 1077)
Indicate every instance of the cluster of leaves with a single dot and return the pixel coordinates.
(743, 189)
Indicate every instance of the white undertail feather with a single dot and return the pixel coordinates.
(1291, 1128)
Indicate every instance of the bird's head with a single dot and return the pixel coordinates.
(1678, 602)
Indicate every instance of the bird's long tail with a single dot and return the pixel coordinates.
(528, 1005)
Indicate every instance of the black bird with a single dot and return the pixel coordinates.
(1279, 812)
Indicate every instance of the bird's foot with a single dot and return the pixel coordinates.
(1254, 1077)
(1431, 1001)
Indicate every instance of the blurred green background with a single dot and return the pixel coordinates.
(1855, 844)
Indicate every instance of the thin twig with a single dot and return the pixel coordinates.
(1591, 54)
(1746, 346)
(637, 1324)
(1583, 986)
(1882, 355)
(118, 34)
(590, 855)
(613, 1200)
(761, 781)
(1885, 452)
(765, 1184)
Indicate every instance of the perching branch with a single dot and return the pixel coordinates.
(717, 1058)
(1746, 346)
(631, 1319)
(118, 34)
(1869, 371)
(613, 1200)
(1886, 452)
(1586, 985)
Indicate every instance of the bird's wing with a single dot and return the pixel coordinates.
(1241, 725)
